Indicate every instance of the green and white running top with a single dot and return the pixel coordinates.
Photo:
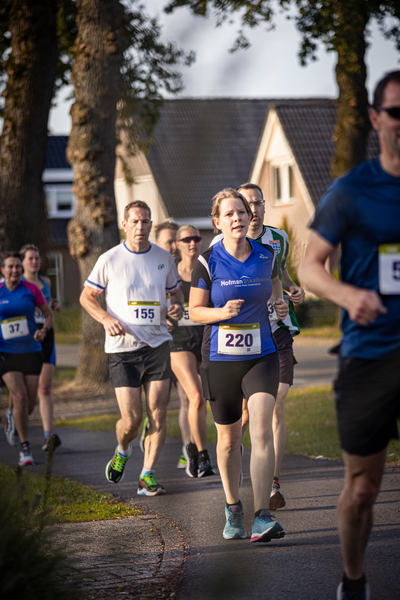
(278, 239)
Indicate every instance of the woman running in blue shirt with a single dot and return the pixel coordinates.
(231, 285)
(20, 349)
(31, 265)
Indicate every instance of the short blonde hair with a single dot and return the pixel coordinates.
(184, 228)
(222, 195)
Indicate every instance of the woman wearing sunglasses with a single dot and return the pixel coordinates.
(231, 284)
(186, 357)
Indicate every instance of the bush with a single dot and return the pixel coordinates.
(29, 567)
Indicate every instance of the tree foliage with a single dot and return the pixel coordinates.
(120, 70)
(343, 27)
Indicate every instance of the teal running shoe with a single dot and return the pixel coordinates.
(148, 486)
(265, 529)
(234, 529)
(115, 469)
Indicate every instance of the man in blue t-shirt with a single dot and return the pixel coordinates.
(361, 211)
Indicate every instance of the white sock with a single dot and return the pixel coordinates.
(123, 452)
(146, 471)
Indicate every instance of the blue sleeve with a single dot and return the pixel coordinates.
(333, 216)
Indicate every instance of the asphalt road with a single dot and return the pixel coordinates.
(305, 565)
(315, 365)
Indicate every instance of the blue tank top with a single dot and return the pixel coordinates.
(39, 316)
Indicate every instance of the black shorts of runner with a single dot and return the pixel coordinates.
(49, 348)
(284, 342)
(131, 369)
(225, 383)
(27, 364)
(368, 403)
(193, 347)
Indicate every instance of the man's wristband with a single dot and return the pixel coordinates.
(180, 304)
(46, 330)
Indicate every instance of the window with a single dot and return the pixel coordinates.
(290, 181)
(277, 183)
(55, 274)
(60, 201)
(282, 178)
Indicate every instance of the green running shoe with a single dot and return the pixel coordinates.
(182, 462)
(115, 469)
(148, 486)
(145, 430)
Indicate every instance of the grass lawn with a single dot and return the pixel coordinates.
(310, 422)
(328, 331)
(69, 501)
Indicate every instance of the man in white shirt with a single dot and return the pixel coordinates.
(135, 276)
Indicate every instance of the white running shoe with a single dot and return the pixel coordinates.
(25, 457)
(10, 430)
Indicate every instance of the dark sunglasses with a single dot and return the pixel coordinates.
(191, 238)
(393, 111)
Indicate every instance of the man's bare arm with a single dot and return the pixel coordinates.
(88, 300)
(296, 293)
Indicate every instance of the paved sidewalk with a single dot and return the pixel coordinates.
(130, 558)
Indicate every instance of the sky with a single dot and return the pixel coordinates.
(269, 69)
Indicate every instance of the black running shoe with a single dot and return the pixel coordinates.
(342, 594)
(204, 468)
(192, 458)
(51, 440)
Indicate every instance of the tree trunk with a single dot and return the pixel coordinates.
(353, 123)
(91, 151)
(31, 71)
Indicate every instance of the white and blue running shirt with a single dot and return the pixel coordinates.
(135, 285)
(226, 278)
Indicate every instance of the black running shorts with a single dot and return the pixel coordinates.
(27, 364)
(49, 348)
(368, 403)
(284, 342)
(193, 347)
(131, 369)
(225, 383)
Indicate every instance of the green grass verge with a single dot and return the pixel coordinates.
(310, 423)
(321, 332)
(98, 423)
(64, 374)
(68, 500)
(66, 338)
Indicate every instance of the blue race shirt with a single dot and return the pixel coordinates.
(226, 278)
(361, 211)
(20, 302)
(39, 316)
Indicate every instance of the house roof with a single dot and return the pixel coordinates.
(309, 127)
(202, 146)
(55, 158)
